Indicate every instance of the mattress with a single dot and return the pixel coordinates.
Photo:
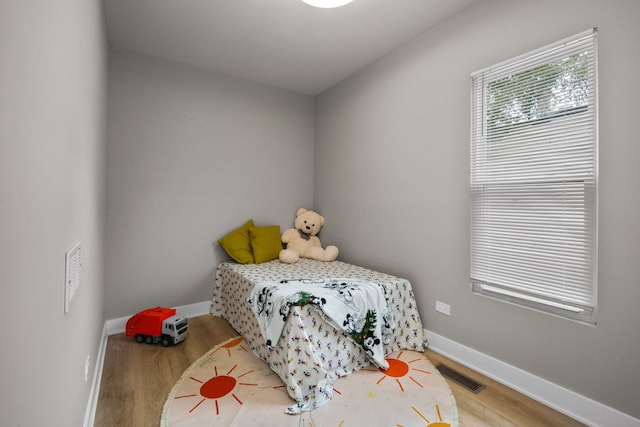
(311, 352)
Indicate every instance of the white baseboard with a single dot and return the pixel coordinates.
(90, 413)
(117, 326)
(576, 406)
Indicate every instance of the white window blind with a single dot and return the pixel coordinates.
(534, 179)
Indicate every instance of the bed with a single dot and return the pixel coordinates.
(312, 351)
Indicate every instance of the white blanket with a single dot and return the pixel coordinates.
(357, 307)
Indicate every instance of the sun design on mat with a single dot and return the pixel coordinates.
(230, 345)
(438, 423)
(220, 386)
(399, 369)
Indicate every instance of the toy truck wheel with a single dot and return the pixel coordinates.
(166, 341)
(139, 338)
(148, 339)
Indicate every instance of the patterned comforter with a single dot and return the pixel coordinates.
(313, 350)
(356, 307)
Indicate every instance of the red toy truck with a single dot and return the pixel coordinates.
(158, 324)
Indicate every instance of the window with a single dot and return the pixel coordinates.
(534, 179)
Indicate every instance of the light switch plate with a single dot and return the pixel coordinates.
(73, 266)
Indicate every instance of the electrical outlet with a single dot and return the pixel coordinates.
(443, 308)
(86, 368)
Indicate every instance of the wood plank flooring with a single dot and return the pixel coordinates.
(137, 378)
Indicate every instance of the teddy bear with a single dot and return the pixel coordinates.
(302, 240)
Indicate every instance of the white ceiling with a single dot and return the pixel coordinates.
(284, 43)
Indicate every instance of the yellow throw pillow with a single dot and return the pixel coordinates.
(265, 242)
(238, 244)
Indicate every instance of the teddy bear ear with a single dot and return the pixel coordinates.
(300, 211)
(321, 220)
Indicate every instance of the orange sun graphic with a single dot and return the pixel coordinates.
(398, 369)
(220, 386)
(438, 423)
(230, 345)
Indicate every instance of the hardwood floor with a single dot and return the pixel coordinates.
(137, 378)
(496, 404)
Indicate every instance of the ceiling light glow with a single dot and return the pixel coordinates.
(327, 3)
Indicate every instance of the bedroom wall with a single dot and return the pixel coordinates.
(52, 194)
(191, 156)
(392, 176)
